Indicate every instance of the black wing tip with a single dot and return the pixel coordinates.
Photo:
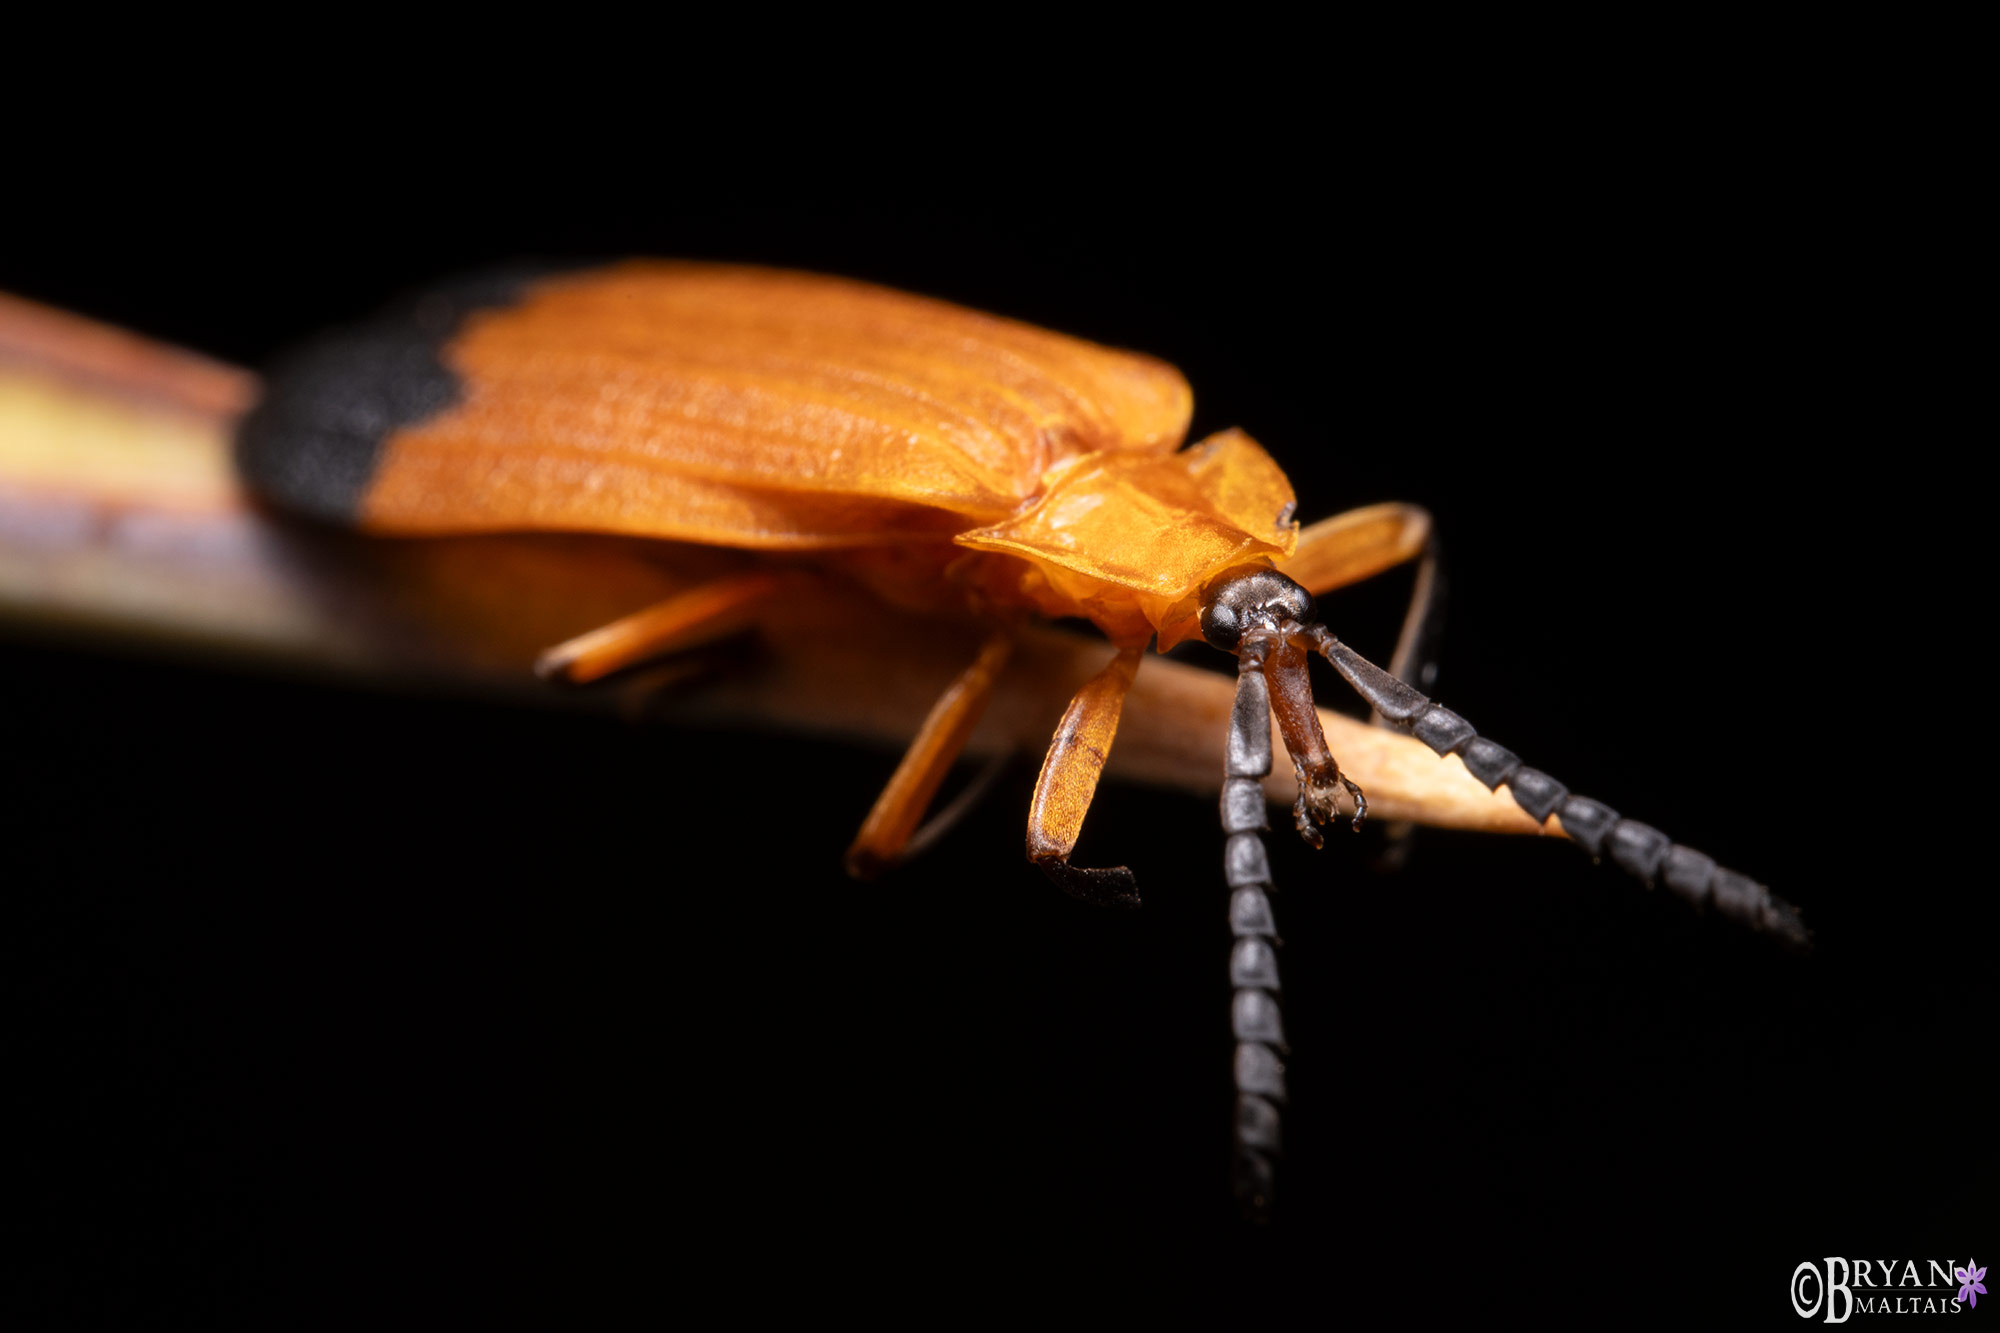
(312, 442)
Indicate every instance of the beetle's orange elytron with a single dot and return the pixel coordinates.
(946, 459)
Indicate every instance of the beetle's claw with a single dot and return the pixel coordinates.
(1309, 813)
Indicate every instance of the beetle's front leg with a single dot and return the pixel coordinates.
(1068, 781)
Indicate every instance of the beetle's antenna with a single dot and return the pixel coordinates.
(1638, 849)
(1253, 960)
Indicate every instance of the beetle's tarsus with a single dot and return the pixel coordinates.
(1113, 886)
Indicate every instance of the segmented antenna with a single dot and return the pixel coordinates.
(1638, 849)
(1253, 958)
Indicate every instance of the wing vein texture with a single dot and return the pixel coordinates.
(753, 407)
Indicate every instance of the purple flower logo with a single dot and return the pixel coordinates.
(1974, 1288)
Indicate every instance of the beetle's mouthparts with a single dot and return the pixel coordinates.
(1320, 790)
(1320, 778)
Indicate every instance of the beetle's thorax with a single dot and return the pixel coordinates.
(1127, 539)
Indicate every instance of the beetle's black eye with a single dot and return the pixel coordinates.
(1240, 599)
(1220, 625)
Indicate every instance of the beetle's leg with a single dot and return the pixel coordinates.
(1069, 779)
(1356, 545)
(1415, 661)
(957, 807)
(1253, 959)
(1362, 543)
(892, 823)
(684, 620)
(1639, 849)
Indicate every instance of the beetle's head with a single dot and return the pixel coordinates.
(1269, 622)
(1252, 597)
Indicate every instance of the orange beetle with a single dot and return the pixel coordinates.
(939, 455)
(944, 458)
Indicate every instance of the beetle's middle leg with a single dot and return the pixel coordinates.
(689, 618)
(891, 826)
(1356, 545)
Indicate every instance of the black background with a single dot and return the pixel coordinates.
(322, 998)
